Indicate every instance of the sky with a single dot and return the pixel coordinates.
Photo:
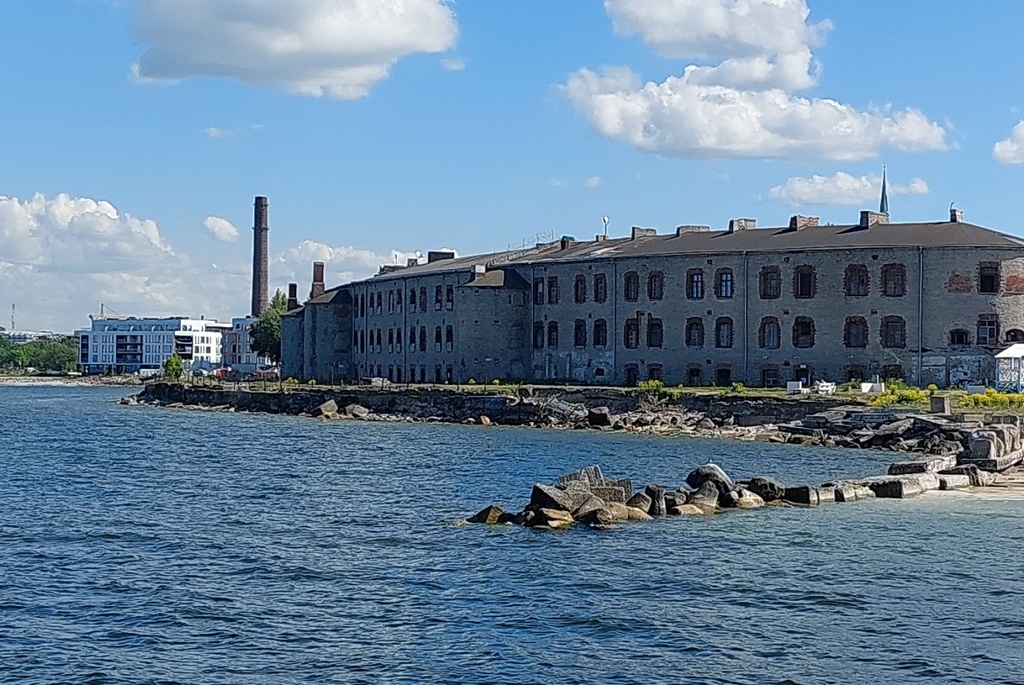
(134, 134)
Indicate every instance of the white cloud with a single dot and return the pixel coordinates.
(743, 106)
(454, 64)
(214, 133)
(221, 229)
(60, 257)
(338, 48)
(1010, 150)
(841, 189)
(593, 182)
(759, 43)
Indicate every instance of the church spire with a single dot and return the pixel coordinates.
(883, 205)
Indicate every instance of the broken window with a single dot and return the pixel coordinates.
(655, 333)
(631, 334)
(855, 332)
(723, 284)
(600, 333)
(694, 332)
(538, 291)
(805, 282)
(423, 299)
(894, 332)
(655, 285)
(449, 338)
(894, 280)
(803, 332)
(856, 280)
(631, 286)
(723, 332)
(960, 336)
(579, 333)
(437, 339)
(770, 333)
(449, 297)
(770, 283)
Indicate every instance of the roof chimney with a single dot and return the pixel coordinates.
(869, 218)
(317, 288)
(600, 238)
(797, 221)
(643, 232)
(566, 242)
(689, 228)
(956, 216)
(293, 296)
(741, 224)
(439, 255)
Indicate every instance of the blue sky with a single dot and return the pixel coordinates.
(136, 132)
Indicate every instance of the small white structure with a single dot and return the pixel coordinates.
(128, 344)
(1009, 369)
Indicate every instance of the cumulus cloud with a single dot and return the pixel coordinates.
(221, 229)
(214, 133)
(61, 256)
(841, 189)
(338, 48)
(593, 182)
(742, 105)
(1010, 150)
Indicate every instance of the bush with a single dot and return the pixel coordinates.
(891, 398)
(932, 387)
(311, 381)
(651, 387)
(471, 382)
(991, 399)
(496, 382)
(291, 381)
(737, 387)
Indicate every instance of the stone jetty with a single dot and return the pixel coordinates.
(590, 498)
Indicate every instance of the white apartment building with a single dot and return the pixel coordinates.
(131, 344)
(237, 353)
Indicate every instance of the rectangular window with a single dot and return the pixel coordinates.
(600, 288)
(538, 291)
(449, 297)
(438, 301)
(553, 290)
(988, 278)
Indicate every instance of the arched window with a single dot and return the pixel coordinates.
(894, 332)
(579, 289)
(695, 284)
(961, 336)
(631, 334)
(553, 334)
(856, 280)
(894, 280)
(855, 332)
(579, 333)
(770, 283)
(631, 286)
(723, 332)
(803, 332)
(655, 285)
(694, 332)
(538, 336)
(805, 282)
(655, 333)
(770, 334)
(600, 288)
(723, 284)
(600, 333)
(1014, 335)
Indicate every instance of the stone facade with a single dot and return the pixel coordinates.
(926, 302)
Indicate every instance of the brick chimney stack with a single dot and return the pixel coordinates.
(260, 258)
(318, 280)
(293, 296)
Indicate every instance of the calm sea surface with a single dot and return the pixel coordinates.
(152, 545)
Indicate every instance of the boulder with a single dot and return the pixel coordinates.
(547, 497)
(590, 504)
(636, 514)
(705, 424)
(609, 493)
(598, 518)
(325, 409)
(826, 493)
(657, 495)
(741, 498)
(767, 488)
(803, 494)
(625, 483)
(977, 477)
(599, 417)
(640, 500)
(486, 421)
(357, 411)
(689, 510)
(710, 472)
(928, 465)
(492, 515)
(620, 512)
(954, 481)
(705, 497)
(895, 487)
(551, 518)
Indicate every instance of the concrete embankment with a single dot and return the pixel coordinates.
(613, 408)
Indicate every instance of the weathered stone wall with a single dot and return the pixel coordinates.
(292, 345)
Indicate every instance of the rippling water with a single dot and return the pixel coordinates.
(152, 545)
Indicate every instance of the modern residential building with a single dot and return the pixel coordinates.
(131, 344)
(237, 353)
(930, 302)
(18, 337)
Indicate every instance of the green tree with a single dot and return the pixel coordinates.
(174, 368)
(265, 333)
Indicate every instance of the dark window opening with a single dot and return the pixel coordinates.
(600, 288)
(694, 332)
(770, 283)
(631, 334)
(579, 333)
(960, 336)
(894, 332)
(600, 333)
(803, 332)
(553, 293)
(579, 289)
(894, 280)
(856, 280)
(855, 332)
(804, 282)
(655, 372)
(631, 286)
(988, 277)
(655, 285)
(553, 334)
(655, 333)
(538, 336)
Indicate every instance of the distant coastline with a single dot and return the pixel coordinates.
(80, 381)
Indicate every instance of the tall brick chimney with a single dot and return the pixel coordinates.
(293, 296)
(318, 280)
(260, 259)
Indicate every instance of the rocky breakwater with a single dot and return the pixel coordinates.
(587, 497)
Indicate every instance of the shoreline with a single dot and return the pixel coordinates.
(72, 381)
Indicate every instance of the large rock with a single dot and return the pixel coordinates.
(928, 465)
(978, 478)
(954, 481)
(636, 514)
(641, 501)
(705, 497)
(609, 493)
(657, 495)
(547, 497)
(492, 515)
(741, 498)
(710, 473)
(620, 512)
(590, 504)
(767, 488)
(803, 494)
(852, 492)
(599, 417)
(599, 518)
(357, 411)
(902, 487)
(551, 518)
(326, 409)
(689, 510)
(625, 483)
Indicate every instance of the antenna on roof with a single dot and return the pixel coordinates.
(605, 219)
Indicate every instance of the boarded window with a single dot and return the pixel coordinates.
(894, 280)
(805, 282)
(855, 332)
(856, 280)
(600, 333)
(894, 332)
(655, 285)
(631, 286)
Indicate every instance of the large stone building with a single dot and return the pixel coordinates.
(928, 302)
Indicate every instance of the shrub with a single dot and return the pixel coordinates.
(932, 387)
(291, 381)
(496, 382)
(471, 382)
(312, 381)
(651, 387)
(891, 398)
(737, 387)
